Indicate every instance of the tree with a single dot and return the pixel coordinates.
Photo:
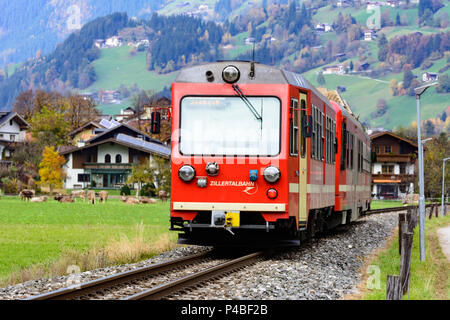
(436, 150)
(393, 87)
(50, 126)
(140, 174)
(321, 79)
(407, 79)
(382, 47)
(50, 168)
(161, 173)
(444, 84)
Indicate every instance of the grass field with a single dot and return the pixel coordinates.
(42, 233)
(430, 280)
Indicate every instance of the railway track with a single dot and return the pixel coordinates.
(143, 287)
(140, 280)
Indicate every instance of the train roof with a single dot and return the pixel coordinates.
(264, 74)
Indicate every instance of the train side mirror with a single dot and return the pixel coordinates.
(307, 126)
(156, 123)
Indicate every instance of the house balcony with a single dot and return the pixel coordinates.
(107, 166)
(395, 158)
(392, 178)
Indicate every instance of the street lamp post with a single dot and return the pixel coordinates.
(419, 91)
(443, 185)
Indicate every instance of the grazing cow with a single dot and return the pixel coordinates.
(91, 196)
(78, 193)
(103, 196)
(38, 199)
(26, 194)
(163, 195)
(66, 199)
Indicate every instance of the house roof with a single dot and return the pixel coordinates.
(127, 141)
(379, 134)
(116, 128)
(86, 125)
(6, 116)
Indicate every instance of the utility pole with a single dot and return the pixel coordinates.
(419, 91)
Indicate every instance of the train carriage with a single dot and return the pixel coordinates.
(257, 156)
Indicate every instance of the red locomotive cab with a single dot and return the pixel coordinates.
(253, 156)
(229, 154)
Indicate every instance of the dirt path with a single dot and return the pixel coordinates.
(444, 240)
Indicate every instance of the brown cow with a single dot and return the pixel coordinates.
(66, 199)
(129, 200)
(163, 195)
(103, 195)
(58, 197)
(26, 194)
(147, 200)
(91, 196)
(78, 193)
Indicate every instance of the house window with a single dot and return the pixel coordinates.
(387, 169)
(108, 158)
(12, 137)
(377, 149)
(402, 168)
(84, 177)
(118, 158)
(387, 149)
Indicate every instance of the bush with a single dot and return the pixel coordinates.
(11, 186)
(148, 190)
(125, 190)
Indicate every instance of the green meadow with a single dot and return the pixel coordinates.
(41, 233)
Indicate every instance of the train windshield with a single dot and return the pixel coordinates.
(226, 126)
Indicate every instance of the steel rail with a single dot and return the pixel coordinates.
(196, 278)
(85, 288)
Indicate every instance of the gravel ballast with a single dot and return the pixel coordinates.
(322, 269)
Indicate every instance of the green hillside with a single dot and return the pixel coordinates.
(115, 67)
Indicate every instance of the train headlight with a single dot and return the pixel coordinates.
(186, 173)
(272, 174)
(230, 74)
(212, 169)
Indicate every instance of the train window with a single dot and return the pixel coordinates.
(352, 147)
(303, 138)
(313, 138)
(224, 125)
(322, 140)
(294, 129)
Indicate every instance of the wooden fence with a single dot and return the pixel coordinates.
(397, 286)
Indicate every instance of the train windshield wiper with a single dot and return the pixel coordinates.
(247, 102)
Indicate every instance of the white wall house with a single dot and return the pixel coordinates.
(13, 130)
(106, 160)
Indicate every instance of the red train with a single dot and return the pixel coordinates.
(260, 156)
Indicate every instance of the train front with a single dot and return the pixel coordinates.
(229, 181)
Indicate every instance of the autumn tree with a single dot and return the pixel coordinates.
(50, 127)
(50, 168)
(436, 150)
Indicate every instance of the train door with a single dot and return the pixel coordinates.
(303, 163)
